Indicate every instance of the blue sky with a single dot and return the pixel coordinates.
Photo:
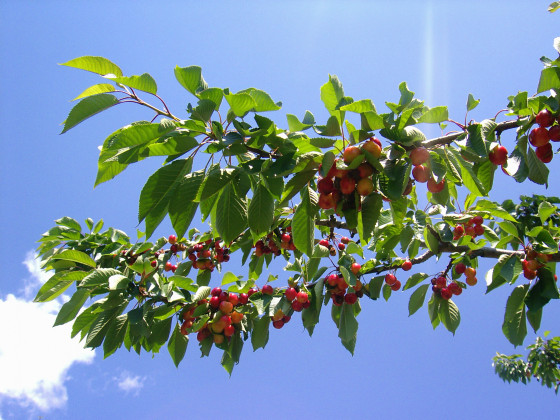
(401, 367)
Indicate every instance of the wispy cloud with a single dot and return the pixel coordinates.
(131, 384)
(35, 357)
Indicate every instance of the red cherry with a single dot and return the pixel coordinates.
(214, 302)
(539, 136)
(267, 289)
(229, 330)
(345, 240)
(545, 153)
(216, 291)
(498, 155)
(435, 187)
(226, 307)
(419, 155)
(332, 280)
(168, 266)
(554, 133)
(341, 246)
(351, 153)
(441, 282)
(297, 306)
(478, 220)
(347, 185)
(243, 298)
(421, 173)
(350, 298)
(324, 242)
(396, 286)
(290, 293)
(446, 293)
(278, 324)
(172, 239)
(544, 118)
(407, 265)
(302, 297)
(153, 263)
(460, 268)
(286, 237)
(355, 268)
(390, 279)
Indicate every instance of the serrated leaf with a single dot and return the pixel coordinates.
(98, 65)
(240, 103)
(76, 256)
(98, 277)
(144, 82)
(550, 79)
(538, 171)
(348, 327)
(295, 185)
(57, 284)
(371, 209)
(472, 103)
(95, 90)
(231, 216)
(182, 207)
(191, 79)
(434, 115)
(159, 189)
(303, 223)
(101, 325)
(417, 299)
(514, 326)
(414, 280)
(534, 319)
(70, 309)
(263, 101)
(449, 315)
(261, 211)
(177, 345)
(260, 333)
(115, 335)
(88, 107)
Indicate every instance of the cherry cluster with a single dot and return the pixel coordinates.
(469, 272)
(341, 188)
(270, 246)
(204, 255)
(298, 299)
(339, 288)
(392, 281)
(444, 290)
(541, 136)
(532, 262)
(279, 319)
(473, 228)
(331, 247)
(421, 173)
(224, 321)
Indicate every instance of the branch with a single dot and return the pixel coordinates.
(450, 138)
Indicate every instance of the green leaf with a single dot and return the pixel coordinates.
(231, 218)
(70, 309)
(99, 65)
(550, 79)
(553, 7)
(543, 291)
(449, 315)
(534, 319)
(95, 90)
(115, 335)
(434, 115)
(215, 181)
(144, 82)
(303, 222)
(240, 103)
(538, 171)
(514, 326)
(182, 207)
(263, 101)
(475, 140)
(98, 277)
(433, 310)
(417, 299)
(363, 105)
(88, 107)
(472, 103)
(101, 325)
(191, 79)
(331, 93)
(546, 210)
(295, 185)
(371, 209)
(414, 280)
(57, 284)
(177, 345)
(261, 211)
(76, 256)
(431, 240)
(348, 327)
(260, 333)
(159, 189)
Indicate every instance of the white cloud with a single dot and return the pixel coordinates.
(34, 356)
(129, 383)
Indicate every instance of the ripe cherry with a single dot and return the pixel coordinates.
(290, 293)
(351, 153)
(350, 298)
(421, 173)
(396, 286)
(419, 155)
(435, 187)
(545, 153)
(302, 297)
(355, 268)
(446, 293)
(267, 289)
(407, 265)
(172, 239)
(460, 268)
(544, 118)
(498, 155)
(539, 136)
(390, 279)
